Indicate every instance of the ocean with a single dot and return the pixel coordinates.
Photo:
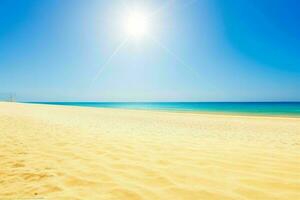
(246, 108)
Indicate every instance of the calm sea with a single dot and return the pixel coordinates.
(253, 108)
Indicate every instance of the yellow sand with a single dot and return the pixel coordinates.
(56, 152)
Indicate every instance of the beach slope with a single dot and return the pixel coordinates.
(61, 152)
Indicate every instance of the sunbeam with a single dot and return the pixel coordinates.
(102, 68)
(171, 53)
(161, 8)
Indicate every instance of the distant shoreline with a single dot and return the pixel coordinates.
(272, 109)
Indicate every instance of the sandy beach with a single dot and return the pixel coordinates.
(61, 152)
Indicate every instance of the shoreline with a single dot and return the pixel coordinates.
(245, 114)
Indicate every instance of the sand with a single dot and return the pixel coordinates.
(60, 152)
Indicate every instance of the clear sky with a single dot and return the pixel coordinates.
(198, 50)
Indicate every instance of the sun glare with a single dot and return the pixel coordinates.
(136, 24)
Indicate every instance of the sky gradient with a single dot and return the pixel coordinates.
(198, 50)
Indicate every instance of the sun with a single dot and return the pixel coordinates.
(137, 24)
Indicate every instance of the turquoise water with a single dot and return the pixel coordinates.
(254, 108)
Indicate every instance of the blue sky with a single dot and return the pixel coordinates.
(198, 50)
